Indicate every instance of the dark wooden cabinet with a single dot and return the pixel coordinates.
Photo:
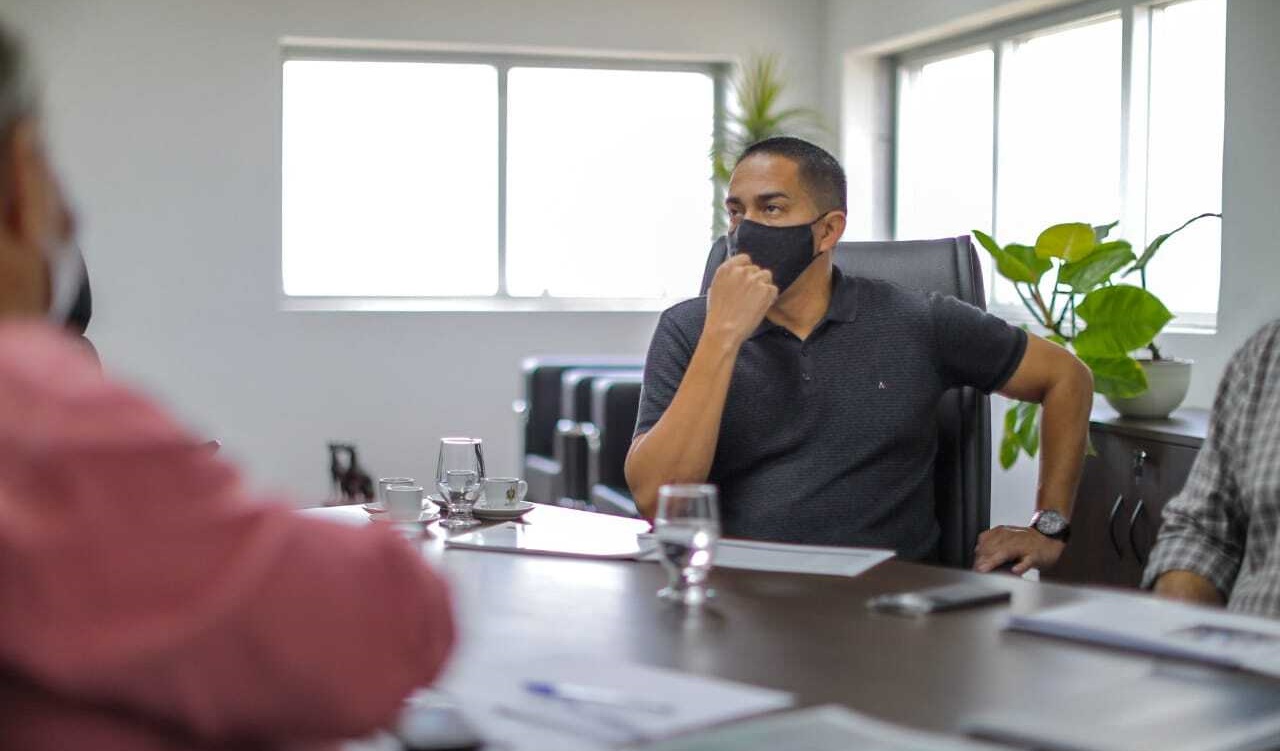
(1139, 465)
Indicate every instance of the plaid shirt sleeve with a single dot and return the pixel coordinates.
(1204, 526)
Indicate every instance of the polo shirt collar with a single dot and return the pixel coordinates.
(842, 307)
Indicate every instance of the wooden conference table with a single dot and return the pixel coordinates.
(806, 634)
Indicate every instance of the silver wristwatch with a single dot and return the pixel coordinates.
(1051, 524)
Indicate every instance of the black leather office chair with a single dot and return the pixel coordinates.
(962, 469)
(615, 401)
(574, 433)
(539, 410)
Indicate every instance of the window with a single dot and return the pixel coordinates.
(503, 178)
(609, 184)
(1110, 116)
(388, 190)
(930, 205)
(1184, 150)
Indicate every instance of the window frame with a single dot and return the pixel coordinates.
(1135, 72)
(503, 59)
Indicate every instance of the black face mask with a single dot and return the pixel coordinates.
(784, 251)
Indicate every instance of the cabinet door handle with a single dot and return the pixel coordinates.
(1137, 510)
(1111, 524)
(1139, 464)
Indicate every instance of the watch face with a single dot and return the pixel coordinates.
(1050, 523)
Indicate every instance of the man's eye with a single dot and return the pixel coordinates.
(773, 209)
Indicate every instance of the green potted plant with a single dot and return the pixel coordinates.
(1092, 309)
(756, 113)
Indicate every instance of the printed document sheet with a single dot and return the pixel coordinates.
(1164, 628)
(492, 695)
(793, 559)
(825, 728)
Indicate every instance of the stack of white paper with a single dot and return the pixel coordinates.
(610, 541)
(826, 728)
(1165, 628)
(492, 694)
(604, 538)
(791, 559)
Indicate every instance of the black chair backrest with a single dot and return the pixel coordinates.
(962, 469)
(575, 391)
(615, 401)
(575, 430)
(542, 391)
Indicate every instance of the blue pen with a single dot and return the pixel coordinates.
(594, 695)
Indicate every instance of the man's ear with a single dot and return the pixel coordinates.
(830, 230)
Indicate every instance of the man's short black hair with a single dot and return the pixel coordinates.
(821, 174)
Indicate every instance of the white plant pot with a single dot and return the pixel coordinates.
(1167, 382)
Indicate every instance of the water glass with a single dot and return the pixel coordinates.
(687, 527)
(460, 478)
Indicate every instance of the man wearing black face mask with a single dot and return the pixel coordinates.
(808, 396)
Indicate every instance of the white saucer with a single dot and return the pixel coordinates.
(376, 507)
(426, 517)
(500, 514)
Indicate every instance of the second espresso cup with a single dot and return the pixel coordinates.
(504, 492)
(404, 502)
(386, 482)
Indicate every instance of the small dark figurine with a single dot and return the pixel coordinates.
(351, 484)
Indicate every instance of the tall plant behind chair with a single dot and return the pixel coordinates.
(756, 113)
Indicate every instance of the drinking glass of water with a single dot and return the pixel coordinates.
(687, 527)
(460, 479)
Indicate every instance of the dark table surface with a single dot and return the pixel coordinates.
(810, 635)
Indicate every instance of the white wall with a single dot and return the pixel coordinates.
(859, 32)
(165, 115)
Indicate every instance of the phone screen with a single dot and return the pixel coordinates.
(936, 599)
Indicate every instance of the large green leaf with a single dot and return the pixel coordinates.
(1009, 446)
(1017, 263)
(1117, 376)
(1029, 427)
(1150, 252)
(1070, 242)
(1121, 319)
(1026, 255)
(1105, 260)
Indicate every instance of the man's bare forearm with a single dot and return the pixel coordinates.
(1064, 432)
(682, 444)
(1188, 586)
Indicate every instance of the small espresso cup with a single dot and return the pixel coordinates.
(386, 482)
(404, 502)
(504, 492)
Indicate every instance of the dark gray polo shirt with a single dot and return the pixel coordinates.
(831, 440)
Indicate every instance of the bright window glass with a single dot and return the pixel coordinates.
(609, 191)
(1184, 175)
(390, 179)
(1060, 133)
(944, 152)
(1059, 154)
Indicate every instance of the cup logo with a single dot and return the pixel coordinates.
(511, 494)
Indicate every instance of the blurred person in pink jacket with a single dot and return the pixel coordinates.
(147, 599)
